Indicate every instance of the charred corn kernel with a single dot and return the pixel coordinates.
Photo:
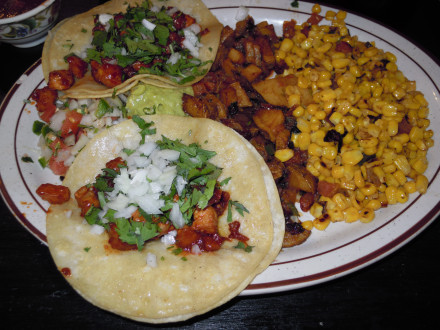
(340, 200)
(410, 187)
(402, 164)
(339, 63)
(429, 143)
(368, 189)
(366, 215)
(421, 100)
(402, 138)
(280, 55)
(390, 180)
(351, 214)
(369, 143)
(324, 83)
(391, 67)
(352, 157)
(348, 138)
(415, 134)
(336, 214)
(337, 171)
(391, 194)
(400, 177)
(389, 110)
(402, 196)
(390, 57)
(315, 150)
(355, 111)
(324, 48)
(358, 179)
(290, 60)
(420, 164)
(336, 118)
(316, 210)
(428, 134)
(286, 45)
(302, 82)
(329, 152)
(374, 204)
(303, 125)
(312, 108)
(298, 112)
(330, 15)
(293, 99)
(316, 9)
(302, 141)
(308, 225)
(390, 168)
(422, 183)
(321, 224)
(421, 144)
(393, 127)
(284, 155)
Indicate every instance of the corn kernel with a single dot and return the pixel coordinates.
(321, 224)
(422, 183)
(284, 155)
(308, 225)
(352, 157)
(366, 215)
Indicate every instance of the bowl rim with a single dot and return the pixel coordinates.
(30, 13)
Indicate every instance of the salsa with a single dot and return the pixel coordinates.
(11, 8)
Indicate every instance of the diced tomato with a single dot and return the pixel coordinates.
(71, 123)
(57, 167)
(48, 113)
(54, 194)
(314, 19)
(57, 144)
(306, 201)
(327, 189)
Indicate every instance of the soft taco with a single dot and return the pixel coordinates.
(165, 43)
(175, 286)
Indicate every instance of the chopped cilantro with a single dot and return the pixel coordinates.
(144, 126)
(244, 246)
(239, 207)
(27, 159)
(43, 162)
(87, 249)
(294, 4)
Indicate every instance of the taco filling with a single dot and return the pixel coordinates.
(162, 189)
(113, 46)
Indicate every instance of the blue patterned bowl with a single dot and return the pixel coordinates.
(30, 28)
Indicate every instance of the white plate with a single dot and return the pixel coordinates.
(341, 249)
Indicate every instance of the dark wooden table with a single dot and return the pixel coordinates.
(397, 292)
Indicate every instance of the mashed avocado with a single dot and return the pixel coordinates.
(149, 99)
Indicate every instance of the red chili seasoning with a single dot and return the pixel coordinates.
(66, 271)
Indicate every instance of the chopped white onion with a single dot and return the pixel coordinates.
(56, 121)
(169, 238)
(176, 216)
(105, 18)
(148, 25)
(242, 13)
(151, 260)
(97, 229)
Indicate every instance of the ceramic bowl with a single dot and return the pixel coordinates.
(30, 28)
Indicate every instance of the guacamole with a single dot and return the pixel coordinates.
(148, 99)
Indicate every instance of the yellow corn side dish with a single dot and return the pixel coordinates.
(358, 91)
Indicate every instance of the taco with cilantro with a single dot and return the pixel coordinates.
(166, 221)
(110, 48)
